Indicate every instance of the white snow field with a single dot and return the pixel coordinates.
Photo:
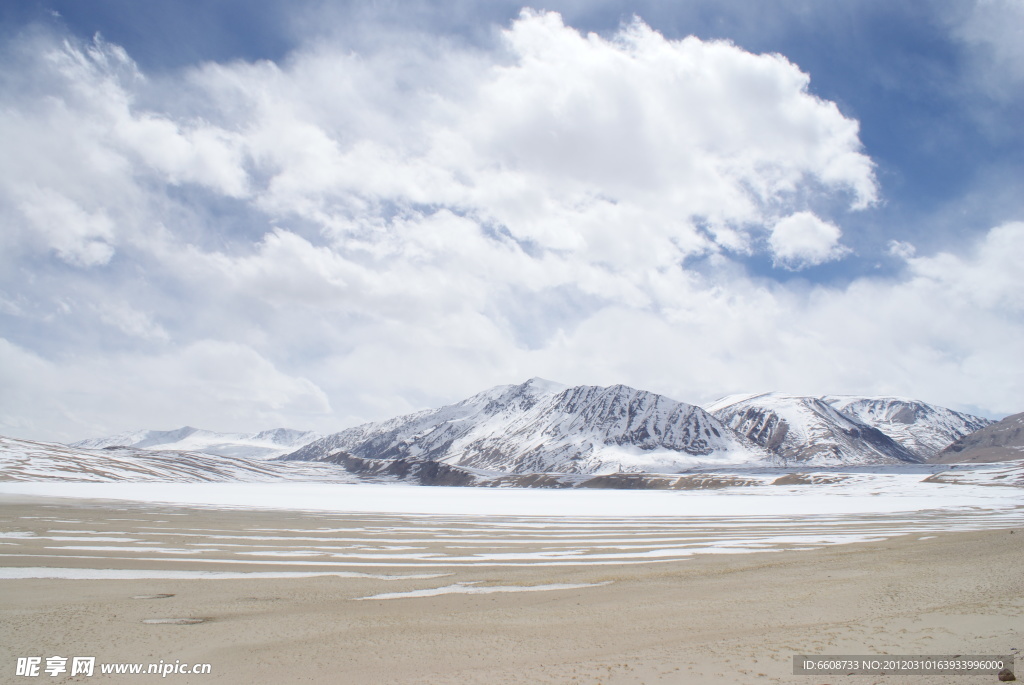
(300, 528)
(851, 491)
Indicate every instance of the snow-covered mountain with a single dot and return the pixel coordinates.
(267, 444)
(544, 427)
(541, 427)
(999, 441)
(808, 430)
(26, 460)
(924, 429)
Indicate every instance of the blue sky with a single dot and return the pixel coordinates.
(243, 215)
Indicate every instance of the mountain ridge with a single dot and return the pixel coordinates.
(924, 429)
(544, 427)
(541, 426)
(266, 444)
(808, 430)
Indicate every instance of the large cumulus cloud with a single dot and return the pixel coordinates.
(370, 233)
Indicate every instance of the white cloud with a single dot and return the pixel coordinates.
(571, 142)
(78, 237)
(801, 240)
(901, 249)
(86, 168)
(947, 330)
(99, 81)
(994, 30)
(991, 279)
(611, 148)
(214, 384)
(343, 237)
(130, 321)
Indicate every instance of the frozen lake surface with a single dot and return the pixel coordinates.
(211, 530)
(825, 492)
(172, 541)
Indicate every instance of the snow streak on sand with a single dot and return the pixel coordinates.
(474, 589)
(324, 543)
(136, 574)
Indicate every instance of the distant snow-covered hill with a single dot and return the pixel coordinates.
(544, 427)
(26, 460)
(923, 429)
(808, 430)
(266, 444)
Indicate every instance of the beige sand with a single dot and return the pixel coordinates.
(736, 618)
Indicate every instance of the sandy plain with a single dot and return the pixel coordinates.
(673, 618)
